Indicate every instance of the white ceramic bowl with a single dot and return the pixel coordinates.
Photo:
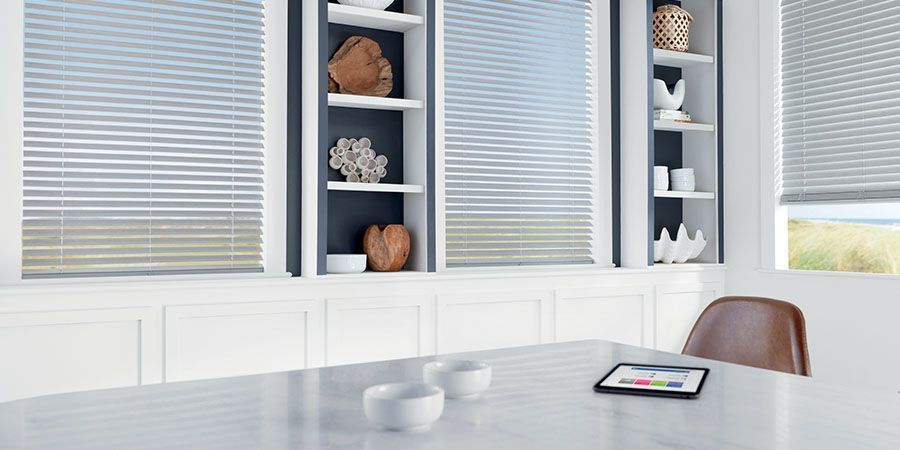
(678, 174)
(682, 185)
(346, 263)
(458, 378)
(371, 4)
(403, 406)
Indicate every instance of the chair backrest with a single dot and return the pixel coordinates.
(753, 331)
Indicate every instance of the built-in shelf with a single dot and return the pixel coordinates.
(368, 274)
(689, 266)
(671, 125)
(684, 194)
(679, 59)
(372, 18)
(376, 187)
(370, 102)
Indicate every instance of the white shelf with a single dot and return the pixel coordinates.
(372, 18)
(370, 102)
(376, 187)
(679, 59)
(684, 194)
(368, 274)
(671, 125)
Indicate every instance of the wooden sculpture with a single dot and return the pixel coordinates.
(387, 247)
(357, 67)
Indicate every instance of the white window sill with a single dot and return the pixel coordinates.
(137, 281)
(826, 273)
(167, 282)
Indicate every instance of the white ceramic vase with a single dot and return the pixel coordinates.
(663, 99)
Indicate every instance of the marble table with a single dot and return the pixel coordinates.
(541, 398)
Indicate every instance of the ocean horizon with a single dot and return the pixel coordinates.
(864, 221)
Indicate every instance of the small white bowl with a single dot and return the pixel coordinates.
(403, 406)
(458, 378)
(371, 4)
(683, 185)
(346, 263)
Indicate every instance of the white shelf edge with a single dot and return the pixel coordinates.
(372, 274)
(376, 187)
(679, 59)
(685, 194)
(372, 18)
(370, 102)
(671, 125)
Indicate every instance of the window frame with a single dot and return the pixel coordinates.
(602, 250)
(11, 162)
(774, 215)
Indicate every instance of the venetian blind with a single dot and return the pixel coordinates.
(143, 137)
(839, 100)
(520, 149)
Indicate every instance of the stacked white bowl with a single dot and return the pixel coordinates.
(661, 178)
(683, 179)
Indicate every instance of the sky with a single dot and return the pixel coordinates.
(857, 211)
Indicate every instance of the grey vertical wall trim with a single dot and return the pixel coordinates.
(616, 132)
(430, 135)
(294, 136)
(651, 141)
(322, 203)
(720, 196)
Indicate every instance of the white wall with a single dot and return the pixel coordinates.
(92, 334)
(851, 320)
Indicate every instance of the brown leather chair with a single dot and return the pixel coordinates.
(753, 331)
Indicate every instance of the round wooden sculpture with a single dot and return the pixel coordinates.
(357, 67)
(387, 247)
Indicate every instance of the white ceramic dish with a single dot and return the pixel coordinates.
(681, 174)
(403, 406)
(458, 378)
(683, 185)
(682, 249)
(346, 263)
(371, 4)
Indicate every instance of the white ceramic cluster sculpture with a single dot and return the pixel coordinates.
(680, 250)
(357, 160)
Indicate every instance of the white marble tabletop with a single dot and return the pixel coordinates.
(541, 398)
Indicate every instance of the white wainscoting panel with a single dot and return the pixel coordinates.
(478, 321)
(221, 340)
(619, 314)
(378, 328)
(65, 351)
(677, 308)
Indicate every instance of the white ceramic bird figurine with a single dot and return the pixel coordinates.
(663, 99)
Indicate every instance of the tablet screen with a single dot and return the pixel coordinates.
(683, 380)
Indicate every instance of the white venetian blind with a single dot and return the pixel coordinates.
(520, 150)
(143, 137)
(839, 100)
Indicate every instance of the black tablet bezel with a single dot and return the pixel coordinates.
(631, 391)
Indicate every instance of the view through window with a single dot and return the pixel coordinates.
(845, 238)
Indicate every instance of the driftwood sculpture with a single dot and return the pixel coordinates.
(357, 67)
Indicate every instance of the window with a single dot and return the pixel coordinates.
(845, 238)
(837, 136)
(521, 144)
(143, 137)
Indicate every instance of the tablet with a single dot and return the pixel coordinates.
(660, 381)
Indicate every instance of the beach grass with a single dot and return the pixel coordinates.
(843, 247)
